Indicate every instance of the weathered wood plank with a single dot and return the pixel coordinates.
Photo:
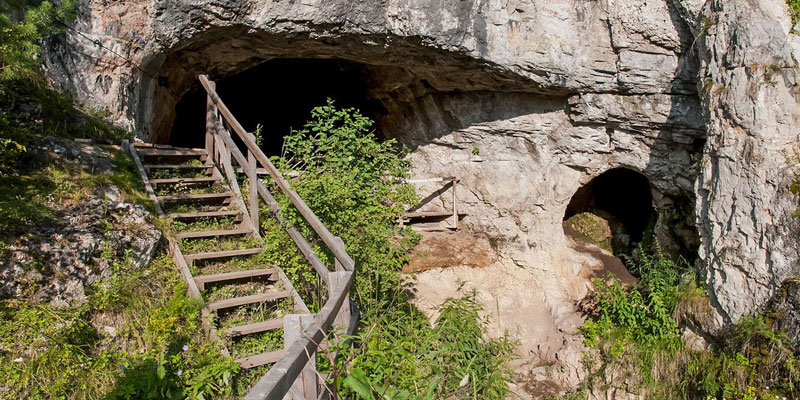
(431, 214)
(177, 181)
(256, 327)
(176, 166)
(207, 214)
(245, 300)
(214, 233)
(174, 152)
(252, 177)
(306, 384)
(143, 172)
(202, 280)
(258, 360)
(200, 196)
(226, 147)
(279, 379)
(190, 258)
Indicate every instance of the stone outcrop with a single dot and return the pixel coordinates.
(750, 99)
(698, 96)
(58, 261)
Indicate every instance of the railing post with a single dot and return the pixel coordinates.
(455, 208)
(252, 174)
(336, 280)
(211, 127)
(306, 385)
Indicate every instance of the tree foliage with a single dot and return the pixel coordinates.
(351, 180)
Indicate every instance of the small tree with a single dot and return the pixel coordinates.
(350, 179)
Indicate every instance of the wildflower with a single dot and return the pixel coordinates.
(186, 347)
(18, 360)
(180, 372)
(122, 367)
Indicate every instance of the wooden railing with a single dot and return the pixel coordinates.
(295, 373)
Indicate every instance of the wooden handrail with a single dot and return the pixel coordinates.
(299, 240)
(325, 235)
(279, 380)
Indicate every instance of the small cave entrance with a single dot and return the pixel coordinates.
(614, 211)
(279, 95)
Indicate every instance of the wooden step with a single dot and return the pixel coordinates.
(215, 233)
(207, 214)
(190, 258)
(245, 300)
(431, 214)
(178, 181)
(202, 280)
(256, 327)
(176, 166)
(173, 152)
(145, 145)
(258, 360)
(189, 197)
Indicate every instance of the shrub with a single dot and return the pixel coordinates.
(350, 179)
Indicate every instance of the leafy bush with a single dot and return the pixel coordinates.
(350, 179)
(794, 9)
(402, 357)
(642, 313)
(157, 348)
(634, 330)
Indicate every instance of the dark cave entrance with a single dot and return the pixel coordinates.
(614, 210)
(278, 95)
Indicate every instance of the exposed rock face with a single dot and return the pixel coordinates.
(57, 262)
(700, 97)
(749, 239)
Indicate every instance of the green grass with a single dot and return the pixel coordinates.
(30, 197)
(635, 333)
(794, 10)
(232, 290)
(189, 189)
(255, 313)
(192, 246)
(125, 342)
(257, 343)
(229, 265)
(202, 224)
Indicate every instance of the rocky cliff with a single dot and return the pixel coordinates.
(699, 97)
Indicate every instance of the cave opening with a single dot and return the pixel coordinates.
(278, 95)
(614, 211)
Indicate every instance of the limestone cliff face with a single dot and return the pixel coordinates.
(750, 100)
(699, 97)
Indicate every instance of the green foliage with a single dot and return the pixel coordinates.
(27, 106)
(642, 314)
(157, 348)
(634, 329)
(350, 179)
(20, 37)
(794, 10)
(403, 357)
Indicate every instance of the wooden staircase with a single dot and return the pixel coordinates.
(188, 188)
(192, 186)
